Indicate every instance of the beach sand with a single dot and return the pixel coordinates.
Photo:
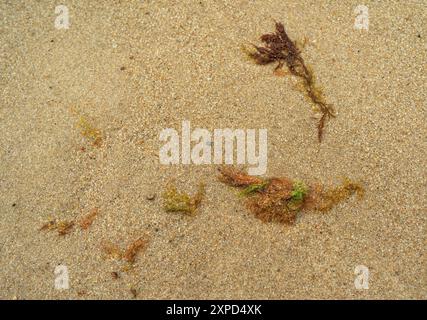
(134, 68)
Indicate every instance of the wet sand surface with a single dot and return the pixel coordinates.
(134, 68)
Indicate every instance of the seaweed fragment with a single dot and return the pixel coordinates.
(297, 196)
(333, 196)
(279, 48)
(256, 187)
(87, 129)
(87, 220)
(62, 227)
(176, 201)
(90, 132)
(281, 199)
(134, 248)
(237, 178)
(112, 250)
(129, 254)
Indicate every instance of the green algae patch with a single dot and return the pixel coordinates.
(179, 201)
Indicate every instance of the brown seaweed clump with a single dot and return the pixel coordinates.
(281, 199)
(177, 201)
(278, 47)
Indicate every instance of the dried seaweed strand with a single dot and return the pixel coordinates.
(278, 47)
